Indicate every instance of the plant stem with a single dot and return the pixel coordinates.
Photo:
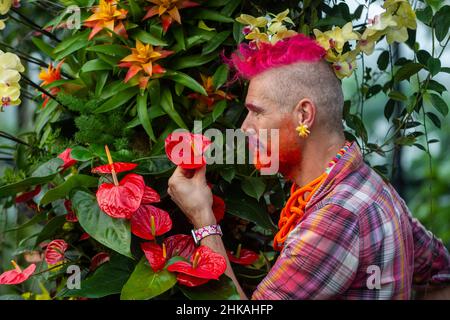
(33, 25)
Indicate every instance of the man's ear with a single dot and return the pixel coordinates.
(305, 112)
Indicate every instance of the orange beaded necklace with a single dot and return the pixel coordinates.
(294, 210)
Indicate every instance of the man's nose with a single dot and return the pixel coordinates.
(246, 124)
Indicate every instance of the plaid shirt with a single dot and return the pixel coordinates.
(355, 225)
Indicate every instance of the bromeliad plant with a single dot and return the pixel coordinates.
(129, 75)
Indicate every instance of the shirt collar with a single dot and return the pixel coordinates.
(351, 161)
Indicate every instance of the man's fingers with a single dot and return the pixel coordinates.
(200, 174)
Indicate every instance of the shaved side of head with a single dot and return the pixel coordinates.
(287, 85)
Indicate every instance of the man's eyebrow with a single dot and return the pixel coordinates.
(253, 107)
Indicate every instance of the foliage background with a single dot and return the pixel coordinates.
(419, 170)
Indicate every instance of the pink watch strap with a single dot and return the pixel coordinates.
(199, 234)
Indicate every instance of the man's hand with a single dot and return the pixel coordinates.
(189, 190)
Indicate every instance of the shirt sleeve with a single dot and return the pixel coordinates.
(431, 258)
(319, 260)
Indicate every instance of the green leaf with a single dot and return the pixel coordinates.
(218, 109)
(63, 190)
(95, 65)
(407, 70)
(71, 44)
(383, 60)
(247, 208)
(45, 115)
(434, 65)
(144, 116)
(114, 50)
(113, 233)
(441, 22)
(423, 56)
(228, 174)
(154, 165)
(185, 80)
(425, 15)
(178, 34)
(439, 104)
(230, 7)
(254, 187)
(192, 61)
(80, 153)
(51, 229)
(146, 37)
(216, 42)
(434, 118)
(43, 46)
(154, 90)
(397, 95)
(206, 14)
(117, 100)
(168, 107)
(108, 279)
(222, 289)
(220, 76)
(145, 284)
(39, 217)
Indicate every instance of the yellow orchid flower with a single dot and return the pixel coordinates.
(257, 35)
(282, 34)
(5, 5)
(106, 15)
(282, 16)
(9, 94)
(252, 21)
(345, 64)
(11, 61)
(336, 38)
(9, 76)
(2, 24)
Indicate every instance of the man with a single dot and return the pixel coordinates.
(350, 235)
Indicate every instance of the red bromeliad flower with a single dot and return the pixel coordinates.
(106, 15)
(120, 199)
(205, 265)
(118, 167)
(70, 216)
(168, 11)
(54, 252)
(99, 259)
(49, 76)
(141, 60)
(205, 103)
(243, 256)
(66, 157)
(149, 221)
(17, 275)
(187, 149)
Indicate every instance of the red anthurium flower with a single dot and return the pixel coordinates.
(118, 167)
(218, 207)
(149, 221)
(155, 254)
(54, 252)
(68, 161)
(84, 236)
(27, 196)
(98, 260)
(243, 256)
(123, 199)
(70, 216)
(17, 275)
(205, 264)
(179, 245)
(120, 200)
(150, 196)
(176, 245)
(186, 149)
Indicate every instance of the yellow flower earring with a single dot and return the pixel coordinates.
(303, 130)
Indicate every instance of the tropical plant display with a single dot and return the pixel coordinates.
(110, 80)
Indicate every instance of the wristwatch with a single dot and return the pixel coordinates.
(200, 233)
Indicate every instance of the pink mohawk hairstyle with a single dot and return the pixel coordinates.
(249, 62)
